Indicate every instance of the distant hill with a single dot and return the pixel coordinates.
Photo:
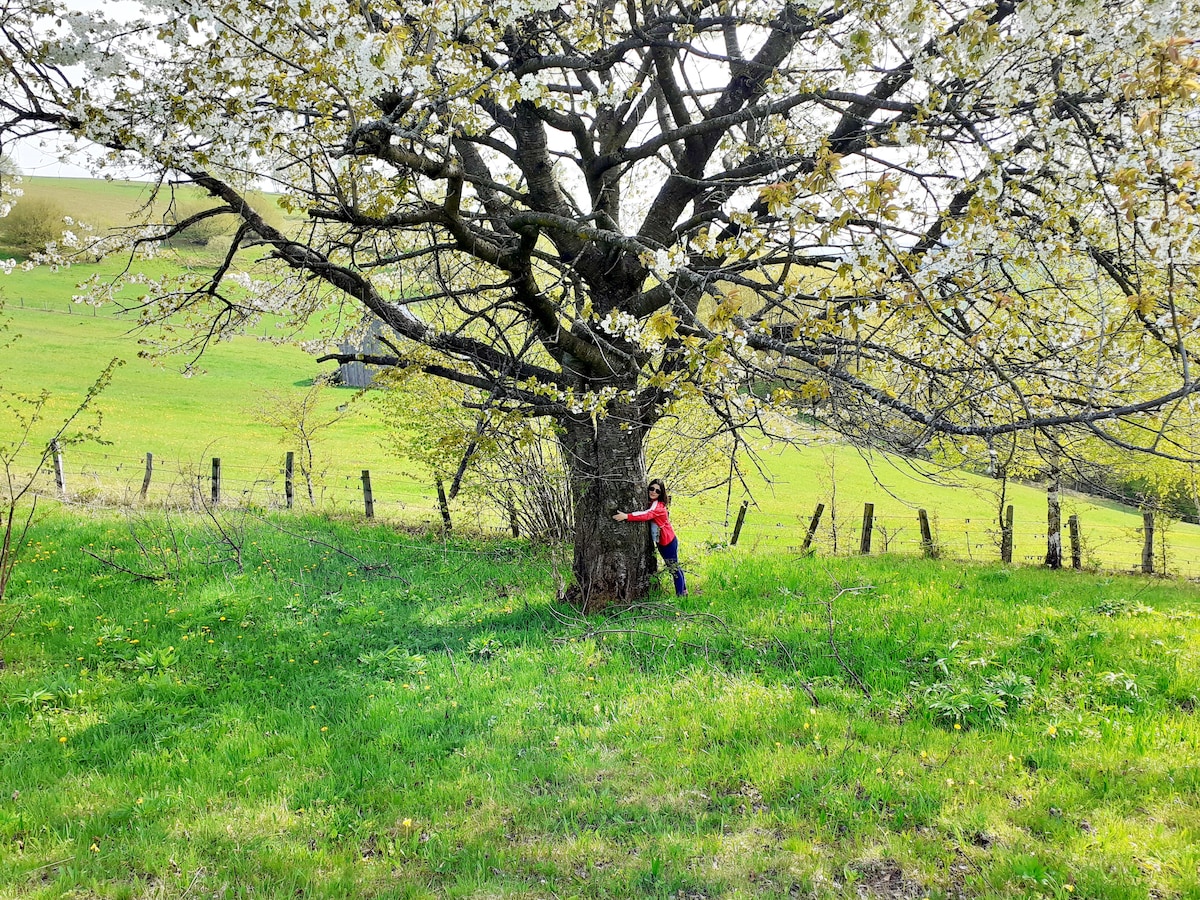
(109, 204)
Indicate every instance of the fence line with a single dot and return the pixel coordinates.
(93, 475)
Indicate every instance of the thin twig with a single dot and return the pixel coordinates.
(833, 642)
(142, 575)
(363, 566)
(804, 685)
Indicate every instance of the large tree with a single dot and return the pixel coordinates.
(969, 219)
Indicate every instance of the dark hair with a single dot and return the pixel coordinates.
(662, 490)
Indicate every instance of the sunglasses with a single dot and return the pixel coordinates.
(655, 490)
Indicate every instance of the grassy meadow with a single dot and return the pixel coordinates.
(298, 707)
(270, 704)
(216, 412)
(185, 421)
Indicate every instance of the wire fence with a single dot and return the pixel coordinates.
(85, 474)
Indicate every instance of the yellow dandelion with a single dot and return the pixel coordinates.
(1052, 731)
(138, 801)
(957, 727)
(62, 740)
(324, 727)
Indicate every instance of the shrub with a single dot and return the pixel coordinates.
(32, 224)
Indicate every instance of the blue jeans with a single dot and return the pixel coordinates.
(670, 554)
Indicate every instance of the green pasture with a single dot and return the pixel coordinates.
(291, 707)
(186, 421)
(110, 204)
(214, 412)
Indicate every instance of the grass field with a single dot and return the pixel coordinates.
(311, 708)
(185, 422)
(108, 205)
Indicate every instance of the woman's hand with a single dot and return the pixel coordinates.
(620, 516)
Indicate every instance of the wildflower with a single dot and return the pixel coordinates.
(95, 848)
(62, 740)
(1052, 731)
(957, 727)
(407, 823)
(324, 727)
(138, 801)
(1069, 888)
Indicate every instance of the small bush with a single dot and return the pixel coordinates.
(31, 225)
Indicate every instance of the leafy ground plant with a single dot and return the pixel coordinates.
(357, 713)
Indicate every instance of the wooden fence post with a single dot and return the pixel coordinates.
(60, 475)
(289, 478)
(368, 497)
(1147, 542)
(149, 472)
(444, 505)
(1053, 523)
(864, 544)
(216, 480)
(737, 526)
(926, 534)
(1076, 546)
(1006, 536)
(812, 527)
(513, 524)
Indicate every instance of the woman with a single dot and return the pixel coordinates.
(660, 528)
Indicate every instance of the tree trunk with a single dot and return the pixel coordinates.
(613, 560)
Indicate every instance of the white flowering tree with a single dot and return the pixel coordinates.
(965, 219)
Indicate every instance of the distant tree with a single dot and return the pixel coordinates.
(970, 219)
(301, 418)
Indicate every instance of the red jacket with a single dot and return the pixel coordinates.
(657, 513)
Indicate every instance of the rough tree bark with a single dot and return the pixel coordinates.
(613, 561)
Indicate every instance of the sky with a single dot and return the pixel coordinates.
(40, 157)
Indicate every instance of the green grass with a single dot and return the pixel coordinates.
(354, 712)
(110, 204)
(185, 422)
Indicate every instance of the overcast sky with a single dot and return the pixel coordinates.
(40, 157)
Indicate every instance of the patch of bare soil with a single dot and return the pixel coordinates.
(885, 880)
